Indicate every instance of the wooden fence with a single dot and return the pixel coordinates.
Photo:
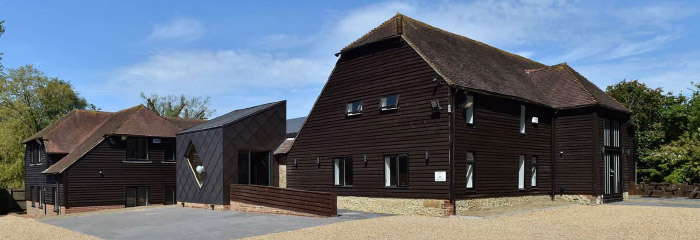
(12, 200)
(665, 189)
(265, 199)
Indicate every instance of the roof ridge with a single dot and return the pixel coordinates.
(578, 81)
(374, 30)
(467, 38)
(544, 68)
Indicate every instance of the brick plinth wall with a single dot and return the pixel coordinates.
(217, 207)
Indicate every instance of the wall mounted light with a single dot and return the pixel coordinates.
(295, 162)
(318, 161)
(365, 159)
(427, 156)
(561, 154)
(101, 174)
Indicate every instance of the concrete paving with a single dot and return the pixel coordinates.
(661, 202)
(172, 222)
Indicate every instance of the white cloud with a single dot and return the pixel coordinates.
(183, 29)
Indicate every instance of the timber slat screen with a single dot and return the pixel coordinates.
(311, 202)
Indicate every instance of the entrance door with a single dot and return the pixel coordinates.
(612, 173)
(136, 196)
(254, 167)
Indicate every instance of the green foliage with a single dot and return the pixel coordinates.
(2, 30)
(179, 106)
(678, 161)
(29, 102)
(666, 130)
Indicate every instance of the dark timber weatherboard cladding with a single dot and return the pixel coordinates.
(34, 178)
(218, 149)
(390, 67)
(574, 139)
(497, 144)
(86, 187)
(318, 203)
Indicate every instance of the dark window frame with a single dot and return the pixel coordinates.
(534, 168)
(473, 167)
(343, 181)
(398, 171)
(351, 110)
(169, 143)
(141, 143)
(388, 107)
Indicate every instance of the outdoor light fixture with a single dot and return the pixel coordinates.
(318, 161)
(427, 156)
(295, 162)
(200, 169)
(365, 159)
(101, 174)
(123, 138)
(435, 105)
(561, 153)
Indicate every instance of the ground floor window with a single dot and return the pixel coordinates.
(41, 197)
(533, 180)
(136, 196)
(470, 170)
(342, 171)
(396, 170)
(169, 195)
(521, 172)
(32, 195)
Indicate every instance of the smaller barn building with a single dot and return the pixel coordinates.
(235, 148)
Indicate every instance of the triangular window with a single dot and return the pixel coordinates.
(196, 165)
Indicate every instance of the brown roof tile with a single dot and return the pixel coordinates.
(70, 130)
(137, 120)
(284, 147)
(479, 67)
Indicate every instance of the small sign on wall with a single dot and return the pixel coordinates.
(440, 176)
(156, 140)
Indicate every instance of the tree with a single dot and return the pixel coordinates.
(179, 106)
(2, 30)
(29, 102)
(657, 118)
(678, 161)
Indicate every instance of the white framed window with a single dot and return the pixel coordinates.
(533, 180)
(470, 170)
(521, 172)
(389, 102)
(469, 110)
(342, 171)
(396, 170)
(522, 119)
(353, 108)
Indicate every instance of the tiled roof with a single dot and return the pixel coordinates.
(137, 121)
(69, 131)
(478, 67)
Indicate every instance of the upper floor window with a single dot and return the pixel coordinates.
(34, 152)
(522, 119)
(354, 108)
(396, 170)
(169, 150)
(612, 133)
(389, 102)
(136, 149)
(469, 110)
(342, 171)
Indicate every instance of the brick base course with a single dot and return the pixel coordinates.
(217, 207)
(91, 208)
(426, 207)
(244, 207)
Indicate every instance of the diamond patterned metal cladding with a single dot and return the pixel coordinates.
(218, 150)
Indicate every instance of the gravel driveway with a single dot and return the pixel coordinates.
(609, 221)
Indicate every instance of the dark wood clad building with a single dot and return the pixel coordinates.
(235, 148)
(414, 112)
(91, 160)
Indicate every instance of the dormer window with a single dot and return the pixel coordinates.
(354, 108)
(389, 102)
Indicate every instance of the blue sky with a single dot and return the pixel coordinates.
(243, 53)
